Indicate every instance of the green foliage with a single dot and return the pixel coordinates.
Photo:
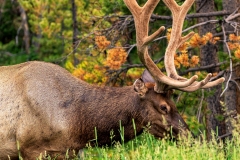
(218, 4)
(190, 105)
(114, 6)
(9, 22)
(50, 24)
(89, 69)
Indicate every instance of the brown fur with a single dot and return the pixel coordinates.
(44, 108)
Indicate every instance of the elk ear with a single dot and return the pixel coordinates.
(147, 77)
(140, 88)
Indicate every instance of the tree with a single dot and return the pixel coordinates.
(75, 30)
(208, 54)
(24, 26)
(232, 93)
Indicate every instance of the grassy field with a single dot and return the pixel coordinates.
(146, 147)
(149, 148)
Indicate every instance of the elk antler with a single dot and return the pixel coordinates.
(172, 80)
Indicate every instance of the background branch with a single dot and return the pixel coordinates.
(194, 15)
(201, 68)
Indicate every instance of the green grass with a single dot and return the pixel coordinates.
(146, 147)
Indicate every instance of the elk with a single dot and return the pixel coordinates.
(44, 108)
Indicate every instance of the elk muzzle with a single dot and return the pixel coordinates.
(179, 126)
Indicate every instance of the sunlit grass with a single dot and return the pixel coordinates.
(147, 147)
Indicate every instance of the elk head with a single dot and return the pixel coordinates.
(159, 110)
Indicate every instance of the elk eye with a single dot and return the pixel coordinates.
(164, 108)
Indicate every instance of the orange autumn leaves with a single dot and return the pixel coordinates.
(185, 61)
(197, 40)
(115, 56)
(102, 42)
(182, 58)
(234, 45)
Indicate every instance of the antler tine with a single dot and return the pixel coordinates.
(214, 83)
(195, 86)
(176, 39)
(147, 77)
(141, 18)
(203, 84)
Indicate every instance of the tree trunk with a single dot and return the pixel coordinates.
(75, 31)
(237, 79)
(208, 55)
(2, 5)
(26, 37)
(232, 93)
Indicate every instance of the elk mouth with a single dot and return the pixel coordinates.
(177, 132)
(179, 126)
(164, 131)
(172, 127)
(173, 133)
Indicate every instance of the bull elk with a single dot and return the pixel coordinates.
(44, 108)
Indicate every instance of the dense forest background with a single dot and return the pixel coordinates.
(95, 41)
